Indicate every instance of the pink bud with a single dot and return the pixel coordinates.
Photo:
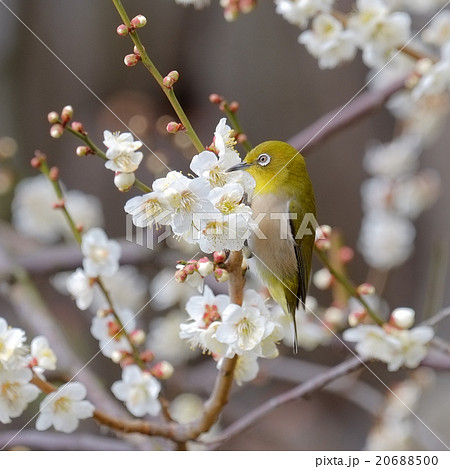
(122, 30)
(67, 113)
(180, 276)
(323, 244)
(190, 269)
(138, 21)
(219, 256)
(171, 79)
(234, 106)
(83, 151)
(357, 317)
(77, 127)
(147, 356)
(131, 60)
(215, 98)
(246, 6)
(174, 127)
(346, 254)
(56, 130)
(205, 267)
(53, 173)
(221, 275)
(138, 337)
(162, 370)
(53, 117)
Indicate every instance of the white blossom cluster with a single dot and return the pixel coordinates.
(394, 343)
(224, 329)
(62, 409)
(33, 214)
(207, 210)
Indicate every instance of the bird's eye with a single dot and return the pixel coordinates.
(263, 159)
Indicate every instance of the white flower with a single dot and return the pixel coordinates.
(229, 227)
(42, 355)
(246, 369)
(224, 140)
(80, 286)
(372, 342)
(199, 4)
(139, 390)
(394, 159)
(396, 347)
(32, 210)
(12, 348)
(436, 80)
(205, 313)
(438, 31)
(64, 408)
(122, 155)
(378, 31)
(101, 255)
(299, 12)
(411, 347)
(107, 330)
(386, 239)
(148, 210)
(244, 328)
(15, 392)
(328, 41)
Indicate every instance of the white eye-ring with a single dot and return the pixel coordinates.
(263, 159)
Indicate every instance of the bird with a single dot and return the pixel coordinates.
(283, 199)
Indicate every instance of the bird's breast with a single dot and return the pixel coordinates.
(272, 243)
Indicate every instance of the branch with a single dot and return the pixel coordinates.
(302, 390)
(361, 105)
(54, 441)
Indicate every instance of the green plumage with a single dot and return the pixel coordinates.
(283, 202)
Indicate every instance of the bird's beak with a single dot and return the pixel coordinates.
(238, 167)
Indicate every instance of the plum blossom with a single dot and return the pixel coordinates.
(64, 408)
(246, 369)
(107, 330)
(16, 392)
(80, 286)
(139, 390)
(299, 12)
(12, 346)
(328, 41)
(43, 357)
(396, 347)
(205, 313)
(122, 155)
(101, 255)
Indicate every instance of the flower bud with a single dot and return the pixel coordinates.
(147, 356)
(190, 268)
(138, 21)
(233, 106)
(323, 244)
(174, 127)
(116, 356)
(403, 318)
(122, 30)
(180, 276)
(138, 337)
(246, 6)
(346, 254)
(77, 127)
(53, 173)
(221, 275)
(322, 279)
(205, 266)
(365, 289)
(124, 181)
(323, 231)
(215, 98)
(356, 317)
(171, 79)
(53, 117)
(219, 256)
(83, 151)
(162, 370)
(131, 60)
(56, 130)
(67, 113)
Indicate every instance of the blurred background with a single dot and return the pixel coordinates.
(67, 52)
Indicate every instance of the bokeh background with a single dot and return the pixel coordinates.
(66, 52)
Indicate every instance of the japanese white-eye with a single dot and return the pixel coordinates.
(283, 198)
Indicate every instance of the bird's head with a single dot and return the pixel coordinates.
(273, 165)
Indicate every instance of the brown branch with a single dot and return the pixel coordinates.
(361, 105)
(302, 390)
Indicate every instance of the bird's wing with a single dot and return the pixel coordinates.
(303, 246)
